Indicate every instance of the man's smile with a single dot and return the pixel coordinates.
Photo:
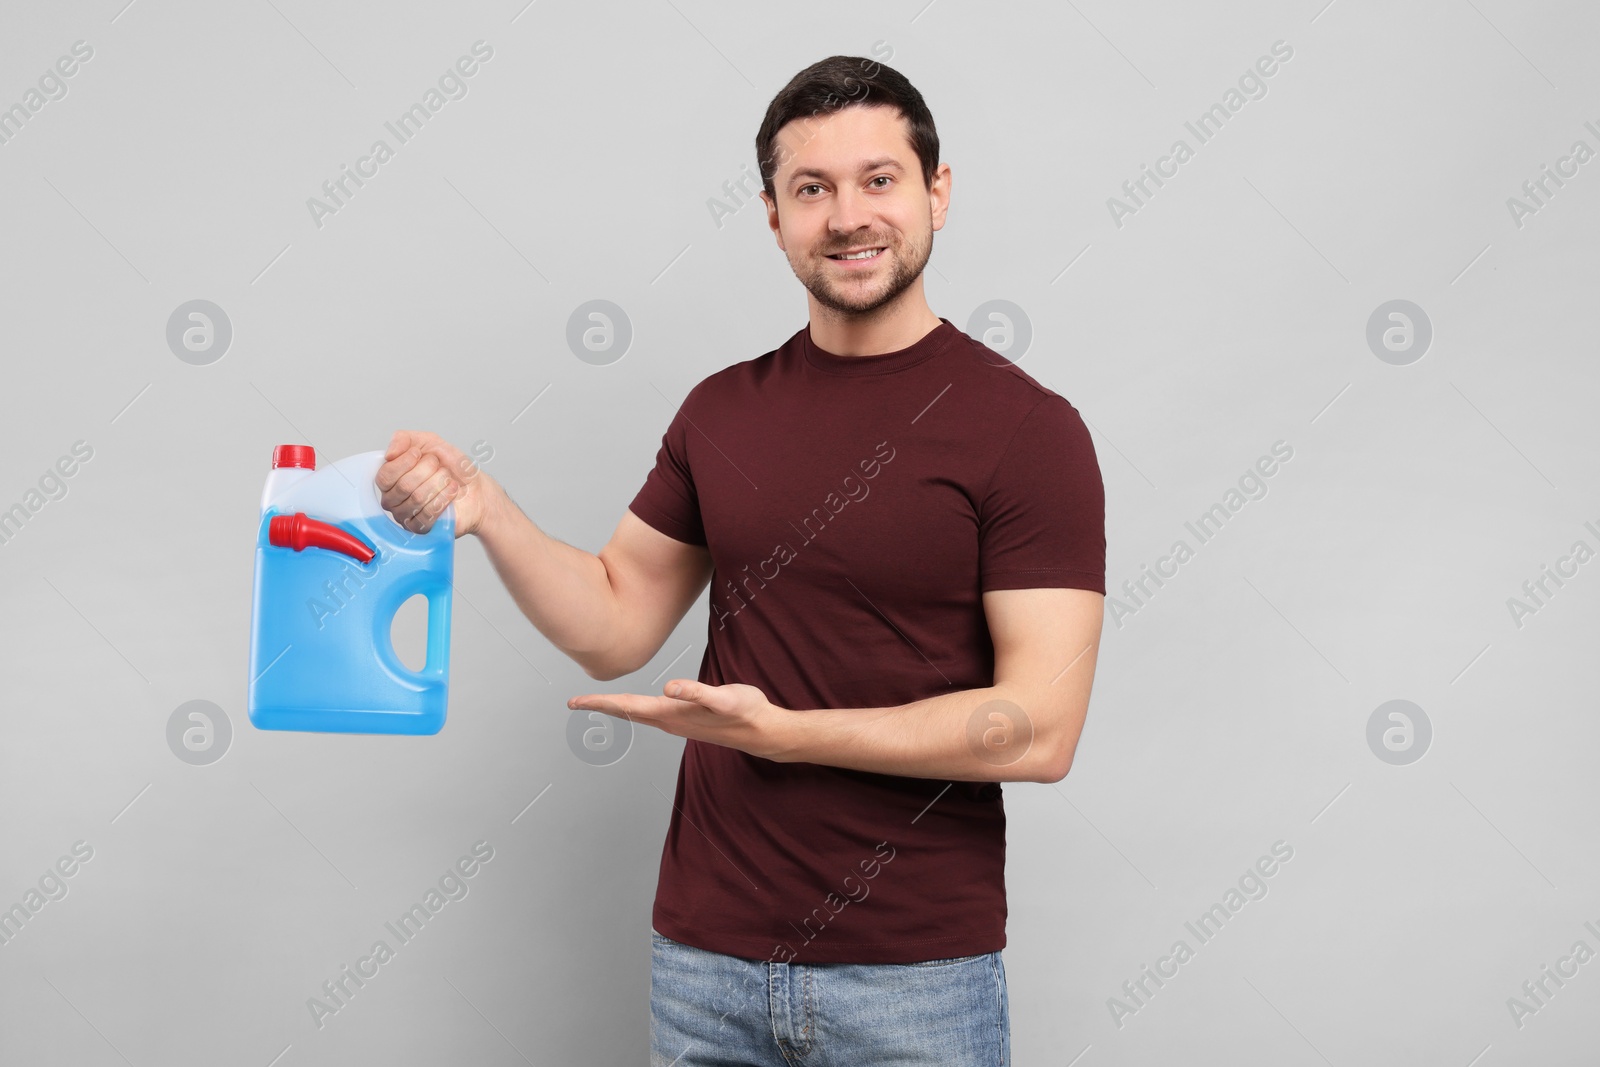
(865, 255)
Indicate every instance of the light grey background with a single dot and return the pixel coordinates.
(1230, 312)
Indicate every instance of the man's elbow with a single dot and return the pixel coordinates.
(604, 672)
(1054, 765)
(1054, 770)
(604, 668)
(607, 663)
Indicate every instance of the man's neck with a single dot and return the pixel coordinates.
(889, 329)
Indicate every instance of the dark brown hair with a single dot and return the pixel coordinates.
(834, 84)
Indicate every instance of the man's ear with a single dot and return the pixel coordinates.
(939, 195)
(772, 218)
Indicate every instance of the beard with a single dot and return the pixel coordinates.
(864, 295)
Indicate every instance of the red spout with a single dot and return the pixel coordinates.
(299, 532)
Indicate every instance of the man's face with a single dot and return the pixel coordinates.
(849, 182)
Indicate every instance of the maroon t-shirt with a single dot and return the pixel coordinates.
(856, 509)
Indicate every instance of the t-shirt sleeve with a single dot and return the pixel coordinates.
(667, 500)
(1041, 520)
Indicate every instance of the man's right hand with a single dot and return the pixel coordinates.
(422, 474)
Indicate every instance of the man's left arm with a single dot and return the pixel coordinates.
(1023, 728)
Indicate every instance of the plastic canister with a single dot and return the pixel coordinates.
(332, 569)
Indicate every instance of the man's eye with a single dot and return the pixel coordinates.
(803, 188)
(882, 178)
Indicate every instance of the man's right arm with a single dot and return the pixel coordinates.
(609, 612)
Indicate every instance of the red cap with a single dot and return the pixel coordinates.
(303, 456)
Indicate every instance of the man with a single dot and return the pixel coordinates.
(904, 535)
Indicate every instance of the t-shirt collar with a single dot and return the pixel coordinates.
(883, 363)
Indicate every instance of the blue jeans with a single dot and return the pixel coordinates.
(712, 1010)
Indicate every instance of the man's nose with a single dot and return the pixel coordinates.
(852, 212)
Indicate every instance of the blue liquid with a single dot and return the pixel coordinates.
(321, 658)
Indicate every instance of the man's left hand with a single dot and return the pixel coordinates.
(733, 715)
